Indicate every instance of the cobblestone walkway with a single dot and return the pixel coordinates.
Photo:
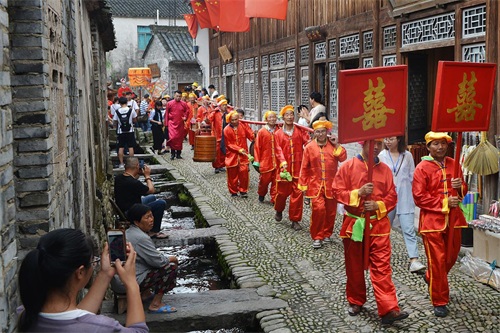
(313, 281)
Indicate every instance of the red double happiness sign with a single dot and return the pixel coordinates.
(372, 103)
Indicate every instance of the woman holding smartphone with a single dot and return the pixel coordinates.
(52, 275)
(153, 269)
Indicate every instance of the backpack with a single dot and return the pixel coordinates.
(124, 120)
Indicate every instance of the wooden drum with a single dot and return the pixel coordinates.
(205, 148)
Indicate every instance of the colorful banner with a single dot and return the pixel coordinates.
(139, 76)
(200, 9)
(372, 103)
(156, 88)
(192, 24)
(463, 99)
(264, 8)
(232, 16)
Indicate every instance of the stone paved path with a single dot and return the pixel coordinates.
(313, 281)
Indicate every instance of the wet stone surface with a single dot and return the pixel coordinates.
(312, 282)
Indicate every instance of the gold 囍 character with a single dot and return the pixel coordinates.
(466, 104)
(373, 104)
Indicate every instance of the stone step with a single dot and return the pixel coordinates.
(209, 310)
(180, 212)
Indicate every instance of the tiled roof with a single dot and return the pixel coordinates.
(176, 40)
(147, 8)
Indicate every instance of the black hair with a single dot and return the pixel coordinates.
(122, 100)
(316, 96)
(178, 92)
(211, 86)
(146, 95)
(319, 115)
(158, 104)
(48, 267)
(115, 99)
(401, 143)
(241, 111)
(136, 212)
(205, 91)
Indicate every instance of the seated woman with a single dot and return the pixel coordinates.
(52, 275)
(154, 270)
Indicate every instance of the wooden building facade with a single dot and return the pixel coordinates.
(281, 62)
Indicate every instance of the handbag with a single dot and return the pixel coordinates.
(143, 118)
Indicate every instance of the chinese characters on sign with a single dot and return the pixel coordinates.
(372, 103)
(464, 93)
(466, 104)
(375, 110)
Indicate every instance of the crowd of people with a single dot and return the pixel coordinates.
(301, 163)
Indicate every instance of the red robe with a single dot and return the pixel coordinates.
(293, 148)
(351, 177)
(175, 115)
(431, 187)
(269, 157)
(319, 166)
(215, 118)
(236, 157)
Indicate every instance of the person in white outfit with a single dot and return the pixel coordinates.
(400, 161)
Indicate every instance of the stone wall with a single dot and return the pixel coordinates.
(54, 167)
(8, 243)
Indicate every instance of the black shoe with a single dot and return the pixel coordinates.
(278, 216)
(441, 311)
(296, 226)
(244, 194)
(172, 157)
(192, 147)
(234, 194)
(217, 170)
(393, 316)
(354, 309)
(261, 198)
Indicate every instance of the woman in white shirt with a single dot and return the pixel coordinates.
(400, 161)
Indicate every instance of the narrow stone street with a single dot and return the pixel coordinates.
(312, 282)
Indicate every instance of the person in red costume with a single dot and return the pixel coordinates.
(319, 166)
(292, 140)
(176, 113)
(351, 187)
(215, 118)
(190, 124)
(123, 88)
(237, 157)
(268, 157)
(433, 187)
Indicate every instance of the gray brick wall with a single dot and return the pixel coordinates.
(54, 167)
(8, 243)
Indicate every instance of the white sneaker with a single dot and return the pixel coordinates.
(316, 244)
(416, 266)
(327, 240)
(121, 166)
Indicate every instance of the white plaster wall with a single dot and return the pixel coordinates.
(126, 52)
(203, 55)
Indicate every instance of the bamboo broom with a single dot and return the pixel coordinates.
(483, 160)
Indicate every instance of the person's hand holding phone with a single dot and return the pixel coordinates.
(146, 171)
(127, 272)
(106, 267)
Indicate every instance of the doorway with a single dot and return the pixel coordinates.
(319, 81)
(422, 74)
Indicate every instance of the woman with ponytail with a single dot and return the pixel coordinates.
(52, 275)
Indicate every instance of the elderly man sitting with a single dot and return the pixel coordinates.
(129, 191)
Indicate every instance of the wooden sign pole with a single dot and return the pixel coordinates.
(366, 233)
(451, 216)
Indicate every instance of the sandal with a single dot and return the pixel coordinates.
(163, 309)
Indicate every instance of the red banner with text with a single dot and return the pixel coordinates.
(372, 103)
(464, 94)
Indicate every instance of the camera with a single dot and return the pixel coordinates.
(299, 108)
(117, 245)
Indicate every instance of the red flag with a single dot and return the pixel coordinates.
(200, 9)
(264, 8)
(192, 24)
(232, 16)
(213, 7)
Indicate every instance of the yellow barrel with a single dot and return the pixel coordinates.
(204, 148)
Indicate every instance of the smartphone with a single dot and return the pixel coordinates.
(141, 164)
(117, 245)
